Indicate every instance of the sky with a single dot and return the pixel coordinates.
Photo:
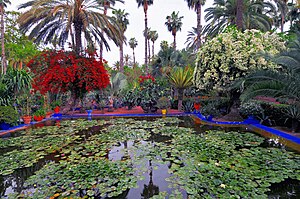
(157, 14)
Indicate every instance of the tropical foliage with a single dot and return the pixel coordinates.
(279, 84)
(145, 4)
(118, 82)
(121, 17)
(256, 15)
(153, 38)
(181, 78)
(8, 115)
(13, 84)
(233, 55)
(174, 24)
(197, 6)
(19, 49)
(133, 44)
(57, 21)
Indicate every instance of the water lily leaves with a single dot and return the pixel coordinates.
(107, 157)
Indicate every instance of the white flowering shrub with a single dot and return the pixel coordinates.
(232, 55)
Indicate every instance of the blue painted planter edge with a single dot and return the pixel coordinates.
(255, 123)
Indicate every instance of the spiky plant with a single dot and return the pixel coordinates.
(181, 78)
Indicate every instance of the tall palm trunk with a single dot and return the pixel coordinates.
(101, 50)
(282, 22)
(72, 38)
(3, 60)
(146, 28)
(106, 5)
(78, 27)
(239, 14)
(149, 54)
(199, 26)
(180, 98)
(174, 35)
(121, 59)
(71, 33)
(133, 57)
(152, 49)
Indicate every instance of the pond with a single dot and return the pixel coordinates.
(145, 158)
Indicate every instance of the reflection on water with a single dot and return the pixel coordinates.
(15, 181)
(154, 178)
(288, 189)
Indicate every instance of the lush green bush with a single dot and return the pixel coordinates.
(39, 112)
(275, 112)
(210, 109)
(163, 103)
(8, 115)
(216, 106)
(188, 105)
(251, 108)
(268, 113)
(232, 55)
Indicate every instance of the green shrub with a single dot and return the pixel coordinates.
(211, 108)
(40, 112)
(275, 112)
(251, 108)
(188, 106)
(214, 106)
(8, 115)
(163, 103)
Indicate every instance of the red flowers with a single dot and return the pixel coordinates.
(146, 78)
(59, 71)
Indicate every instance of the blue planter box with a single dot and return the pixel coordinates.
(4, 126)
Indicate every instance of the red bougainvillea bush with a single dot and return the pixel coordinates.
(60, 71)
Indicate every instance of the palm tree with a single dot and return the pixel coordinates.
(181, 78)
(127, 58)
(48, 21)
(294, 13)
(133, 44)
(224, 13)
(121, 17)
(145, 4)
(282, 9)
(197, 5)
(153, 38)
(106, 4)
(192, 39)
(116, 65)
(174, 25)
(148, 36)
(3, 4)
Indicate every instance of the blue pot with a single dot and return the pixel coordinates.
(89, 112)
(4, 126)
(209, 118)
